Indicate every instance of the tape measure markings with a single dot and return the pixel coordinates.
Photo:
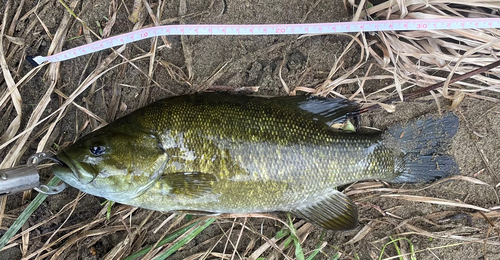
(273, 29)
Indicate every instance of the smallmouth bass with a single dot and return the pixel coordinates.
(218, 153)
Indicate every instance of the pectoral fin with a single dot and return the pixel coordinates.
(335, 212)
(192, 184)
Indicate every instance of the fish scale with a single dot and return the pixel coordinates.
(247, 144)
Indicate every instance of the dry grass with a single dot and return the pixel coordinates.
(409, 59)
(421, 58)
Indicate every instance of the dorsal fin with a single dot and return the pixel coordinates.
(326, 110)
(334, 211)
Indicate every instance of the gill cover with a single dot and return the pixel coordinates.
(114, 163)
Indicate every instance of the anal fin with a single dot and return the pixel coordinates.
(334, 211)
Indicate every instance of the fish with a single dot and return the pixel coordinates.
(216, 153)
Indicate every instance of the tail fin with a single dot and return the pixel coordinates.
(424, 143)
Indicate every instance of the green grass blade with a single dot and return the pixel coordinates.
(108, 211)
(282, 233)
(299, 253)
(393, 241)
(68, 9)
(19, 222)
(398, 251)
(167, 239)
(287, 242)
(186, 239)
(315, 252)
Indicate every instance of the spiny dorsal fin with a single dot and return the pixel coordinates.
(191, 184)
(325, 110)
(335, 211)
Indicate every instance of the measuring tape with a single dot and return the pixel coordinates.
(271, 29)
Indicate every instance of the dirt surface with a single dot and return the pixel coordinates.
(246, 61)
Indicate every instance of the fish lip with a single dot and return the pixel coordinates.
(68, 163)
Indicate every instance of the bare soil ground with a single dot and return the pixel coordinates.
(435, 231)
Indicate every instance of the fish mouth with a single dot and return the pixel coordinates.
(62, 172)
(69, 169)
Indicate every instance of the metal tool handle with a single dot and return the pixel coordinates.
(18, 179)
(25, 177)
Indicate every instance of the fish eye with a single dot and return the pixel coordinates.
(97, 150)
